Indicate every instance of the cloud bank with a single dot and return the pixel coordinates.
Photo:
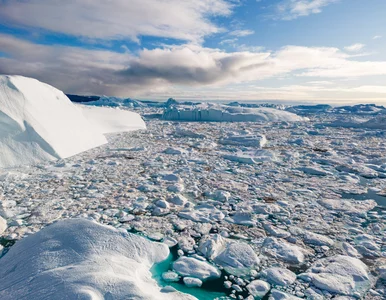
(78, 70)
(117, 19)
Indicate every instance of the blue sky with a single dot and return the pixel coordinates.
(301, 50)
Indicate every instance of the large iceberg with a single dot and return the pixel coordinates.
(80, 259)
(208, 112)
(39, 122)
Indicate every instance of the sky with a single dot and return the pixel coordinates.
(320, 51)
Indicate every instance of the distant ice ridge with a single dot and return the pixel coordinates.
(208, 112)
(378, 122)
(80, 259)
(38, 122)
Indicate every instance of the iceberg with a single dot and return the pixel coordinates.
(38, 122)
(208, 112)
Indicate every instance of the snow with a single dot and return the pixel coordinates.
(112, 120)
(81, 259)
(38, 122)
(340, 275)
(208, 112)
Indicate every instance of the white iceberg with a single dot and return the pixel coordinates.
(208, 112)
(38, 122)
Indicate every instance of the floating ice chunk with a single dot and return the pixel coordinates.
(192, 267)
(219, 195)
(242, 218)
(176, 188)
(175, 151)
(171, 177)
(257, 141)
(178, 200)
(3, 225)
(280, 295)
(237, 258)
(204, 213)
(350, 250)
(340, 275)
(314, 171)
(253, 157)
(279, 276)
(283, 250)
(275, 231)
(348, 206)
(192, 282)
(170, 276)
(82, 259)
(258, 288)
(312, 238)
(188, 133)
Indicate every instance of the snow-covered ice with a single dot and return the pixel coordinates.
(82, 259)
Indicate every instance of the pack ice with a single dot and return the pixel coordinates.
(80, 259)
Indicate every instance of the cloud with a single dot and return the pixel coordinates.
(193, 67)
(355, 47)
(293, 9)
(376, 37)
(241, 33)
(117, 19)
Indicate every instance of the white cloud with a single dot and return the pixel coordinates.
(376, 37)
(293, 9)
(355, 47)
(241, 33)
(196, 68)
(117, 19)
